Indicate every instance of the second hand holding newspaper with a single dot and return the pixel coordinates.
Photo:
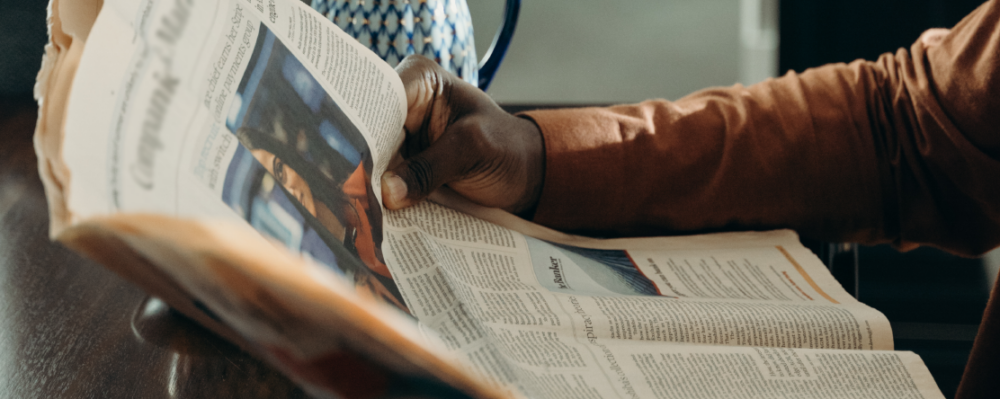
(231, 115)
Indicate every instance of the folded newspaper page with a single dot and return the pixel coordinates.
(222, 155)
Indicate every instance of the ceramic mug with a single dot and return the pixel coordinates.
(438, 29)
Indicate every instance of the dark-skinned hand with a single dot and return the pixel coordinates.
(457, 136)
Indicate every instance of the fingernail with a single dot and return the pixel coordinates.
(396, 187)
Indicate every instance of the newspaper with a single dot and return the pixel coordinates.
(223, 155)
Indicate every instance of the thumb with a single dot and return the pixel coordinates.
(413, 180)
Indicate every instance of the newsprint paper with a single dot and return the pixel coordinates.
(223, 154)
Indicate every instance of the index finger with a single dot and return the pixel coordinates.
(426, 85)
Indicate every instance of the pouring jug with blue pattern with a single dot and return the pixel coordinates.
(438, 29)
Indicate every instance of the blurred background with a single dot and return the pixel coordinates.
(22, 36)
(601, 52)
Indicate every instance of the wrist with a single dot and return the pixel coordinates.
(534, 164)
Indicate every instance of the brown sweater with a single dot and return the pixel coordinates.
(898, 150)
(903, 150)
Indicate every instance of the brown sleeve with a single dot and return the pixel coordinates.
(898, 150)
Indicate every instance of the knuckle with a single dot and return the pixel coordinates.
(479, 148)
(421, 176)
(470, 130)
(476, 135)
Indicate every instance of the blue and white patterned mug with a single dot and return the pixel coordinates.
(438, 29)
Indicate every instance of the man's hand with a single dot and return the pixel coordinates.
(457, 136)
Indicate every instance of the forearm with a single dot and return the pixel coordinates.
(766, 156)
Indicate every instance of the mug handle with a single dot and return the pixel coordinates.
(501, 41)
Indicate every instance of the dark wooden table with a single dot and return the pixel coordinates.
(71, 329)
